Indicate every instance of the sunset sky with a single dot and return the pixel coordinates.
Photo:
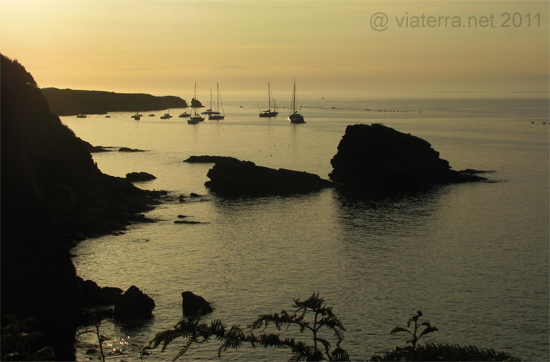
(163, 47)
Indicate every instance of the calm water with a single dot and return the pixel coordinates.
(474, 258)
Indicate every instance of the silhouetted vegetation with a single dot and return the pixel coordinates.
(19, 341)
(66, 102)
(322, 319)
(414, 333)
(443, 352)
(436, 352)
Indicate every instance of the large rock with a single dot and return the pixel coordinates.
(134, 304)
(376, 157)
(192, 304)
(232, 177)
(95, 295)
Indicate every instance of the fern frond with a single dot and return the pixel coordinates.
(182, 351)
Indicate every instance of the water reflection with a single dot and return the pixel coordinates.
(387, 214)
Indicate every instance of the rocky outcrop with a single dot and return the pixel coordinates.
(207, 159)
(93, 294)
(67, 102)
(139, 176)
(192, 304)
(376, 157)
(232, 178)
(134, 304)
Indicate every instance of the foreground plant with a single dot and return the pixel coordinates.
(414, 319)
(436, 352)
(322, 318)
(443, 352)
(18, 339)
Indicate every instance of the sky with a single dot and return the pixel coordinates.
(163, 47)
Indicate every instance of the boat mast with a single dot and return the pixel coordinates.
(219, 99)
(269, 96)
(294, 98)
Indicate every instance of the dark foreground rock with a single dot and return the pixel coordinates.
(232, 178)
(134, 304)
(93, 294)
(53, 195)
(376, 157)
(139, 176)
(192, 303)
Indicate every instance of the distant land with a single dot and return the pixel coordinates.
(68, 102)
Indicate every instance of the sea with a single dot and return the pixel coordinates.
(473, 258)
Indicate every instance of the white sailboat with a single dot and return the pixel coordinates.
(269, 112)
(195, 117)
(216, 115)
(294, 116)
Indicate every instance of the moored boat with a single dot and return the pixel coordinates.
(294, 116)
(269, 112)
(217, 115)
(195, 117)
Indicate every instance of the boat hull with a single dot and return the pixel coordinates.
(296, 118)
(269, 114)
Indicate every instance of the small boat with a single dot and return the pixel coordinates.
(81, 116)
(270, 113)
(294, 116)
(166, 116)
(195, 118)
(137, 116)
(216, 116)
(185, 114)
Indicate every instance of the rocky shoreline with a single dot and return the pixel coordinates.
(53, 195)
(69, 102)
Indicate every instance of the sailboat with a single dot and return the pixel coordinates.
(294, 116)
(269, 112)
(216, 116)
(195, 118)
(210, 111)
(185, 114)
(137, 116)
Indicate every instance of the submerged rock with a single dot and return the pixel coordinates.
(232, 177)
(192, 303)
(381, 158)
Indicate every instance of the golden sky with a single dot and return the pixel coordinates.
(164, 46)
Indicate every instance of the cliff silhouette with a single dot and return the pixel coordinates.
(68, 102)
(53, 195)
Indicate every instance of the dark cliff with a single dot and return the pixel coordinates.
(67, 102)
(379, 158)
(52, 194)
